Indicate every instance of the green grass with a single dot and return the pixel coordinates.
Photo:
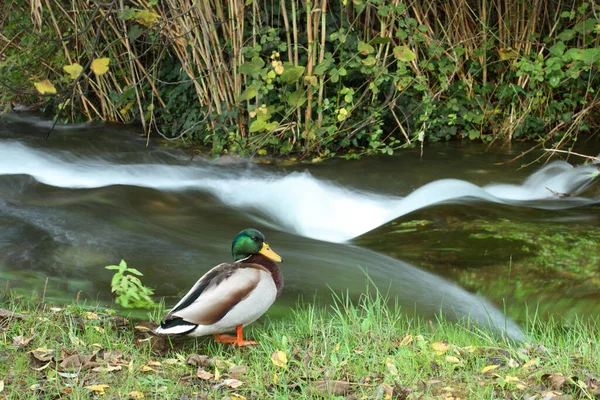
(364, 350)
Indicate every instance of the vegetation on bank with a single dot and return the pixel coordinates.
(319, 78)
(366, 350)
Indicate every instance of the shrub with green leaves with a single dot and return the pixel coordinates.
(321, 78)
(129, 290)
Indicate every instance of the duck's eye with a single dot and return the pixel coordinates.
(254, 238)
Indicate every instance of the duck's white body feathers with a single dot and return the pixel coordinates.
(228, 295)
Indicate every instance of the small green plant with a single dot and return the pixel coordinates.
(129, 289)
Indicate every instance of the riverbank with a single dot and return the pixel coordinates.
(364, 350)
(314, 79)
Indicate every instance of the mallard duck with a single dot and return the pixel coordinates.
(231, 295)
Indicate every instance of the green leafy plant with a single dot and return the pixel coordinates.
(129, 289)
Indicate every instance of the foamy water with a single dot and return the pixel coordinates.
(298, 202)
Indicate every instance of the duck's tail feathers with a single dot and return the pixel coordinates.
(175, 326)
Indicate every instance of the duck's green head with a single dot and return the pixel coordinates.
(252, 241)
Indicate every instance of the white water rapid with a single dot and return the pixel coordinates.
(297, 202)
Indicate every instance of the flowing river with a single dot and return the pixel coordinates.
(449, 230)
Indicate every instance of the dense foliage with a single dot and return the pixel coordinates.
(319, 78)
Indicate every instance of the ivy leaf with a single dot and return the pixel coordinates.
(74, 70)
(100, 66)
(292, 73)
(297, 98)
(379, 40)
(45, 87)
(253, 66)
(507, 53)
(257, 125)
(404, 54)
(146, 17)
(369, 61)
(322, 67)
(365, 48)
(247, 94)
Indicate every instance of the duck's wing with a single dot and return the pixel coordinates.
(217, 292)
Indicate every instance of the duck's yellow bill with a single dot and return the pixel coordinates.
(267, 252)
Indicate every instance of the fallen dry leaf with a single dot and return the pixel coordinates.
(555, 381)
(406, 340)
(1, 386)
(108, 368)
(42, 355)
(197, 360)
(147, 368)
(154, 363)
(386, 391)
(453, 360)
(113, 357)
(235, 396)
(97, 388)
(440, 347)
(237, 370)
(488, 368)
(136, 395)
(6, 314)
(279, 358)
(78, 362)
(389, 363)
(233, 383)
(203, 374)
(69, 375)
(21, 341)
(335, 388)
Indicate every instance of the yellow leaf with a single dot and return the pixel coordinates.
(275, 379)
(100, 66)
(74, 70)
(440, 347)
(91, 315)
(488, 368)
(97, 388)
(236, 396)
(279, 358)
(262, 152)
(45, 87)
(136, 395)
(406, 340)
(154, 363)
(217, 374)
(146, 368)
(1, 386)
(506, 53)
(146, 17)
(391, 366)
(530, 363)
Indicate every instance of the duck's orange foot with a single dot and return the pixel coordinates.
(235, 340)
